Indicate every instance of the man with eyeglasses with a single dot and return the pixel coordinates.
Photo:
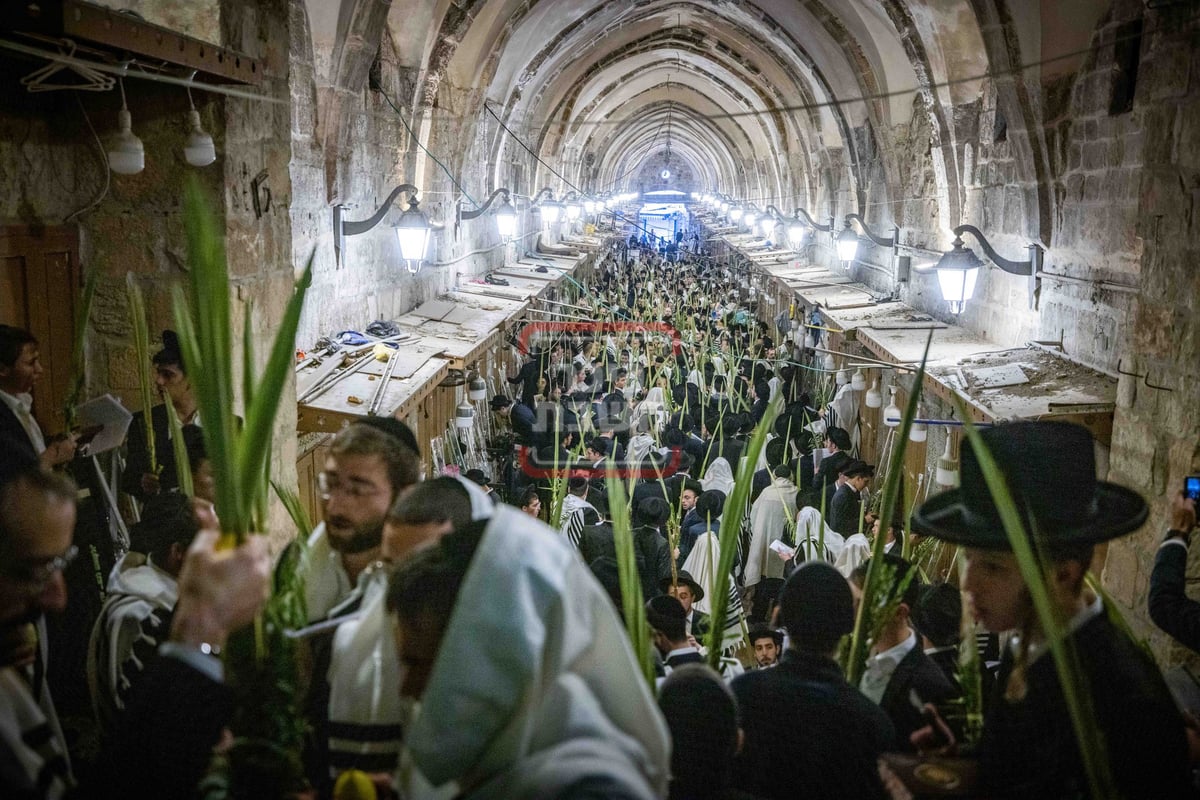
(152, 754)
(368, 465)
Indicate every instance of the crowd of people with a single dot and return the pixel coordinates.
(468, 638)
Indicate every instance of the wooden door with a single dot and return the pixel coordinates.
(39, 289)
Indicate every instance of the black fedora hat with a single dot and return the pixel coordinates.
(683, 579)
(1050, 469)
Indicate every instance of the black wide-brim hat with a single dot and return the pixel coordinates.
(683, 579)
(1050, 470)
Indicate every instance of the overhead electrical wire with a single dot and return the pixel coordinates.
(1171, 33)
(436, 160)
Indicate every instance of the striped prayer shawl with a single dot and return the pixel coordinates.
(33, 762)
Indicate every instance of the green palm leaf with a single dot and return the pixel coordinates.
(856, 654)
(731, 525)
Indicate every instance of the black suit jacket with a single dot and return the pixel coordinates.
(843, 510)
(915, 672)
(679, 660)
(808, 731)
(1028, 746)
(137, 456)
(1170, 607)
(13, 437)
(826, 475)
(163, 743)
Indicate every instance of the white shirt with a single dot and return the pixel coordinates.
(881, 666)
(22, 406)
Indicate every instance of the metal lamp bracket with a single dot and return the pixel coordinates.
(343, 228)
(1031, 268)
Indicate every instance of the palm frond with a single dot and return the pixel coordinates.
(183, 465)
(141, 349)
(731, 525)
(632, 599)
(83, 312)
(856, 654)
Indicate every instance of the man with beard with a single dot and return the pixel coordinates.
(369, 463)
(362, 727)
(151, 754)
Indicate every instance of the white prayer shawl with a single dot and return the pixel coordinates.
(770, 517)
(23, 768)
(718, 476)
(365, 709)
(845, 411)
(535, 682)
(654, 406)
(808, 537)
(570, 521)
(701, 564)
(639, 447)
(326, 583)
(762, 453)
(856, 551)
(136, 589)
(696, 378)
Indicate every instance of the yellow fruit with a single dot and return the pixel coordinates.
(354, 784)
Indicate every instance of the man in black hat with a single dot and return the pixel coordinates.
(807, 729)
(666, 618)
(688, 593)
(1029, 743)
(482, 480)
(847, 502)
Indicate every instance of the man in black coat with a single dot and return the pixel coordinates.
(668, 620)
(846, 506)
(1170, 607)
(808, 731)
(1028, 747)
(897, 665)
(527, 377)
(837, 456)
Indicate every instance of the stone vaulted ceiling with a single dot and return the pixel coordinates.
(776, 101)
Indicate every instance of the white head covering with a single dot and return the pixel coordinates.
(856, 551)
(770, 516)
(535, 682)
(808, 536)
(364, 671)
(718, 476)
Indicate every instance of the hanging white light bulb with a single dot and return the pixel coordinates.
(464, 415)
(843, 377)
(874, 397)
(919, 431)
(891, 414)
(199, 150)
(126, 156)
(810, 341)
(858, 381)
(947, 469)
(829, 363)
(476, 389)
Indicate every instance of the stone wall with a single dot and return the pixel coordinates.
(1156, 440)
